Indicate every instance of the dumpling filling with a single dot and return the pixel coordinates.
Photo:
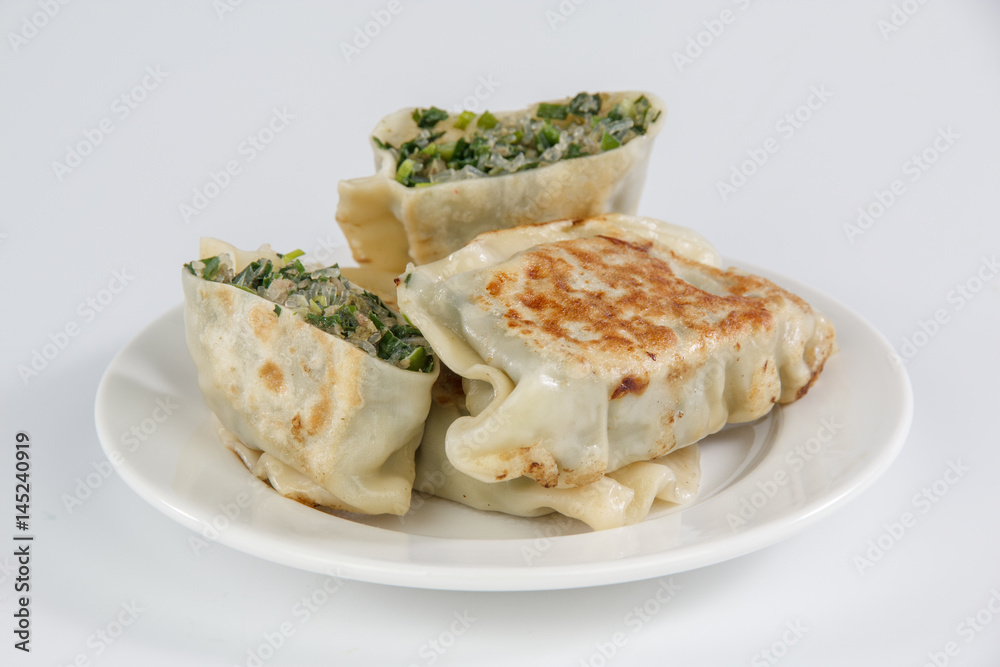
(329, 302)
(467, 146)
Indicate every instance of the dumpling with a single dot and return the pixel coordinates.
(312, 371)
(588, 345)
(619, 498)
(443, 178)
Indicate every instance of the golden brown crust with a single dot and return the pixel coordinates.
(606, 296)
(272, 376)
(630, 385)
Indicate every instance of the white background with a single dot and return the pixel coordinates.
(62, 235)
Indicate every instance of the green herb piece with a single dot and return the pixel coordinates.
(292, 255)
(487, 121)
(417, 361)
(640, 108)
(446, 150)
(427, 118)
(464, 119)
(347, 318)
(585, 105)
(256, 272)
(551, 111)
(390, 345)
(460, 153)
(548, 136)
(609, 142)
(404, 171)
(294, 267)
(211, 268)
(574, 150)
(277, 309)
(405, 330)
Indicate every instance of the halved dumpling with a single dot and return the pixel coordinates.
(443, 178)
(311, 370)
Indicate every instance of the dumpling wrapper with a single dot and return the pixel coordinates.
(388, 224)
(620, 498)
(347, 421)
(592, 344)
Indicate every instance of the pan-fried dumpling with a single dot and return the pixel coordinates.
(601, 342)
(311, 370)
(619, 498)
(443, 178)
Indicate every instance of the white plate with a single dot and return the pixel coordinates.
(762, 482)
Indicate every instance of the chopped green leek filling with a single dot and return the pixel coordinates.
(496, 146)
(328, 301)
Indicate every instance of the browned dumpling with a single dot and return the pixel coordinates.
(592, 344)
